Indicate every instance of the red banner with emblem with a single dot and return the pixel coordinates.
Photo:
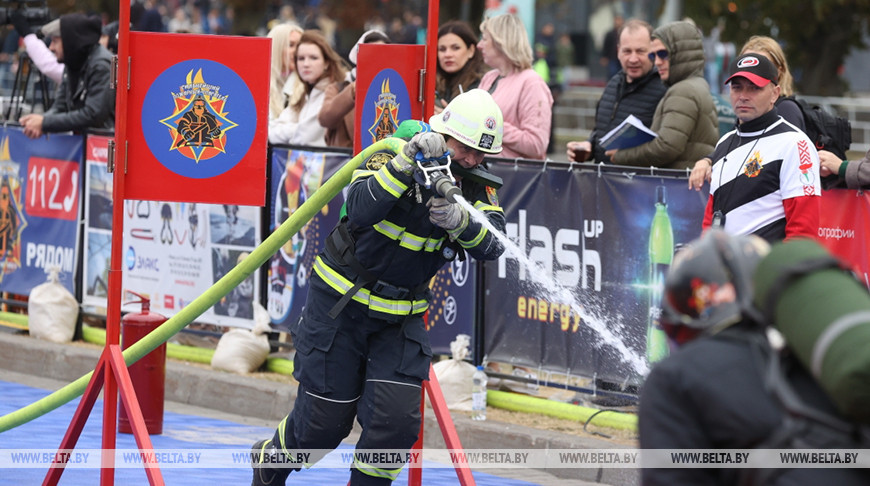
(387, 90)
(844, 228)
(197, 118)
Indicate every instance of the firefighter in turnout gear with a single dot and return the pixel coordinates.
(198, 126)
(361, 346)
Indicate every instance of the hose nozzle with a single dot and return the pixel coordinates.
(446, 188)
(438, 177)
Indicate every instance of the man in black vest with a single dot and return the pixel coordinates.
(634, 90)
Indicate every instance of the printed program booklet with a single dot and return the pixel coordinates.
(630, 133)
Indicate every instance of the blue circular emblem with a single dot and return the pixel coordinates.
(131, 258)
(199, 118)
(386, 105)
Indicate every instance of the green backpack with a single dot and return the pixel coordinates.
(823, 312)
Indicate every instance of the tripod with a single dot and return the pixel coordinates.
(20, 85)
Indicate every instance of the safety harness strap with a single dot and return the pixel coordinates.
(340, 244)
(380, 296)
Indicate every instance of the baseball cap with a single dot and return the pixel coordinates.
(51, 29)
(755, 68)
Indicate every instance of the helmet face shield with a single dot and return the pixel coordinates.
(474, 119)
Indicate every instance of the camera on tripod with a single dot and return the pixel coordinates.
(27, 16)
(35, 12)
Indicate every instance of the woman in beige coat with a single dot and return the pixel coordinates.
(685, 118)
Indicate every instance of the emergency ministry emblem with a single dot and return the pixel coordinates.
(385, 106)
(805, 164)
(377, 160)
(198, 124)
(753, 166)
(702, 295)
(12, 221)
(386, 114)
(197, 118)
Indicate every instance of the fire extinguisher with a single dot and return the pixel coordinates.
(148, 374)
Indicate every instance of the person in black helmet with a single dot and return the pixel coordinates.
(728, 384)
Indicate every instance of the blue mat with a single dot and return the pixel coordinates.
(188, 432)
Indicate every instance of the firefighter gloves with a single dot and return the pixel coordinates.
(450, 216)
(430, 144)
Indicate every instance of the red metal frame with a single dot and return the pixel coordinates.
(448, 431)
(111, 365)
(111, 372)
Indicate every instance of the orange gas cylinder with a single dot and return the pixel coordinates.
(149, 373)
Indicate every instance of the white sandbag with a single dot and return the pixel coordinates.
(52, 311)
(454, 375)
(243, 351)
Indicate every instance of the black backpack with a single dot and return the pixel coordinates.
(827, 131)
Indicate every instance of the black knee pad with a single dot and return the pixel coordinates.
(319, 423)
(390, 415)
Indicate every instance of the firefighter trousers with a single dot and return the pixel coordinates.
(356, 366)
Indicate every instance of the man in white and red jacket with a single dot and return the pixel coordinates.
(765, 177)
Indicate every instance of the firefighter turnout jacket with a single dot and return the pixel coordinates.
(385, 251)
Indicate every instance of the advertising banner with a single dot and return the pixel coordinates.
(197, 123)
(452, 310)
(296, 174)
(40, 190)
(98, 222)
(844, 228)
(593, 249)
(172, 251)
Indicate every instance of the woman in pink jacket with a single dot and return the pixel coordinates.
(524, 98)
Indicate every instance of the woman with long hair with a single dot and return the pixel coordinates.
(317, 66)
(524, 98)
(337, 113)
(285, 38)
(460, 64)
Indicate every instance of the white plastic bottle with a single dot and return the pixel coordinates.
(478, 394)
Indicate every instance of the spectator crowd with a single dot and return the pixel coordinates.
(763, 174)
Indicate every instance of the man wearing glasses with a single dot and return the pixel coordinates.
(635, 90)
(685, 119)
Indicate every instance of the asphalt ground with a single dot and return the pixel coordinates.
(209, 409)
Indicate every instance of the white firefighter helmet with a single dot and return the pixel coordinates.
(474, 119)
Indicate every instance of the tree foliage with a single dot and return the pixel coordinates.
(816, 35)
